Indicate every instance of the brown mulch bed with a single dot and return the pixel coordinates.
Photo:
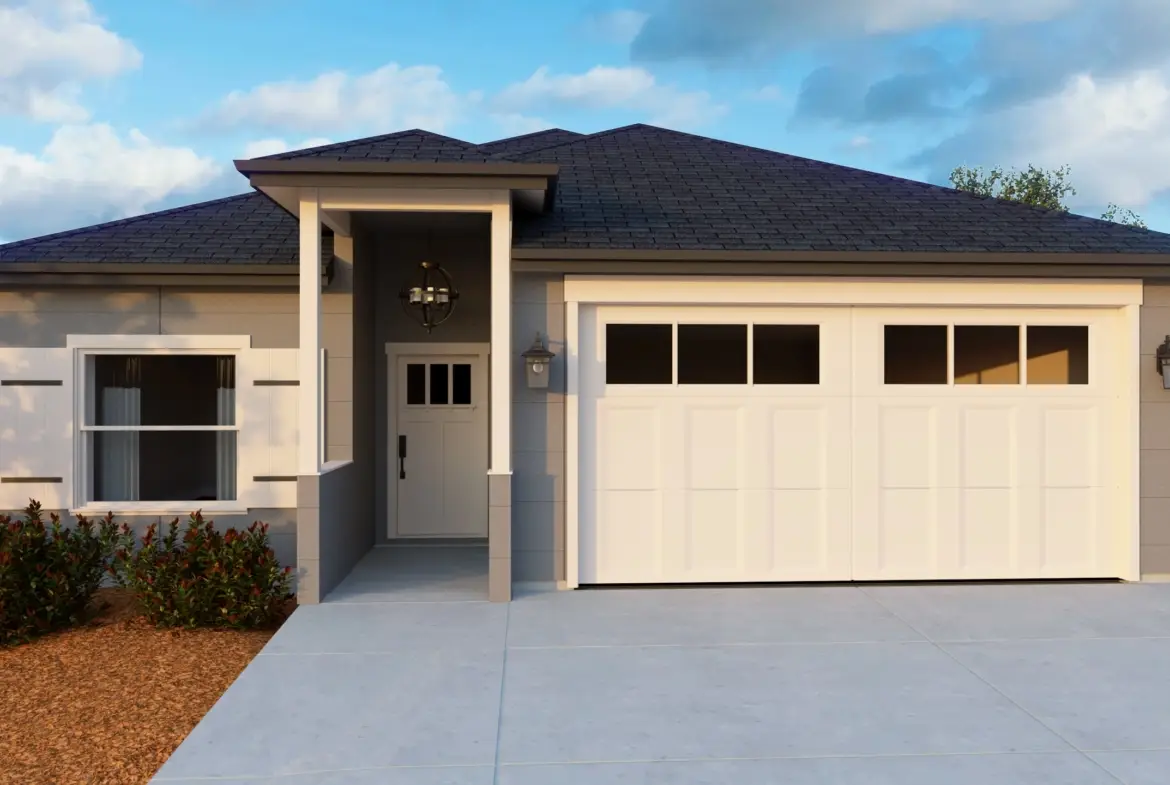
(108, 702)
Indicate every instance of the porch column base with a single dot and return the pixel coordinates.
(500, 537)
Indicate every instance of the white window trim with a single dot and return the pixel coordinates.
(84, 346)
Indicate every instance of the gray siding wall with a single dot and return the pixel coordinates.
(538, 433)
(43, 318)
(1155, 436)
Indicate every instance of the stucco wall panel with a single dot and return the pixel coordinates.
(1155, 436)
(538, 433)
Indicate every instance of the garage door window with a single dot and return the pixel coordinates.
(916, 354)
(1058, 355)
(786, 354)
(712, 353)
(639, 354)
(987, 354)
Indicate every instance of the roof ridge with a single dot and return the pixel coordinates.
(363, 140)
(132, 219)
(528, 135)
(580, 138)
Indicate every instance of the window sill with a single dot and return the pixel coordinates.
(181, 509)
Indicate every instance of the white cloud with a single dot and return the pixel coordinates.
(907, 15)
(1114, 134)
(391, 97)
(604, 87)
(620, 27)
(88, 174)
(766, 93)
(262, 147)
(48, 48)
(860, 142)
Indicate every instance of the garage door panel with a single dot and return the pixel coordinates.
(988, 520)
(629, 445)
(713, 538)
(714, 444)
(907, 535)
(626, 544)
(989, 444)
(908, 453)
(808, 534)
(798, 447)
(1069, 521)
(1071, 446)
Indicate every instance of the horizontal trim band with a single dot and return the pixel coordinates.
(31, 383)
(275, 383)
(26, 480)
(274, 478)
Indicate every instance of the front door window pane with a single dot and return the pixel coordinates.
(439, 384)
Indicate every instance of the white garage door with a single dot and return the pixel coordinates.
(794, 444)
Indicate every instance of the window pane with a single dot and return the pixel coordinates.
(786, 354)
(916, 354)
(461, 384)
(638, 354)
(164, 466)
(416, 384)
(1058, 355)
(164, 389)
(712, 354)
(439, 384)
(987, 355)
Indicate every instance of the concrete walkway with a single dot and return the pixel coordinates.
(417, 681)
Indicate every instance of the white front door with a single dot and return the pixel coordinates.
(439, 453)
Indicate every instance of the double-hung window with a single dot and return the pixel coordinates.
(158, 429)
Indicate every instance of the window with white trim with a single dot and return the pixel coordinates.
(159, 427)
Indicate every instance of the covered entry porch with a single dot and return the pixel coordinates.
(352, 498)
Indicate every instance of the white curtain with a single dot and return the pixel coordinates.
(225, 441)
(121, 405)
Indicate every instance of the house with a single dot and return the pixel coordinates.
(764, 368)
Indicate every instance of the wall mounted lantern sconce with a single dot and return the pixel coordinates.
(536, 364)
(431, 301)
(1162, 356)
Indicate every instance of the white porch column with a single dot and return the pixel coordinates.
(500, 470)
(501, 340)
(309, 355)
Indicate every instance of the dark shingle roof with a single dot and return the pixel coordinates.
(640, 188)
(526, 143)
(653, 189)
(245, 229)
(412, 145)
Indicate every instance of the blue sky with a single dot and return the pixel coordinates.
(110, 108)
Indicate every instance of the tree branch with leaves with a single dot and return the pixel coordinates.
(1038, 187)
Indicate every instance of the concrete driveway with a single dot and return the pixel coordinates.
(889, 685)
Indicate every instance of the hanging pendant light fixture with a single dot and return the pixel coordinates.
(430, 301)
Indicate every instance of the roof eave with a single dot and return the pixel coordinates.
(250, 166)
(991, 258)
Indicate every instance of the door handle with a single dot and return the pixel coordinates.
(401, 456)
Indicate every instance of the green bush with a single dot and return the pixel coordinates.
(205, 578)
(49, 573)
